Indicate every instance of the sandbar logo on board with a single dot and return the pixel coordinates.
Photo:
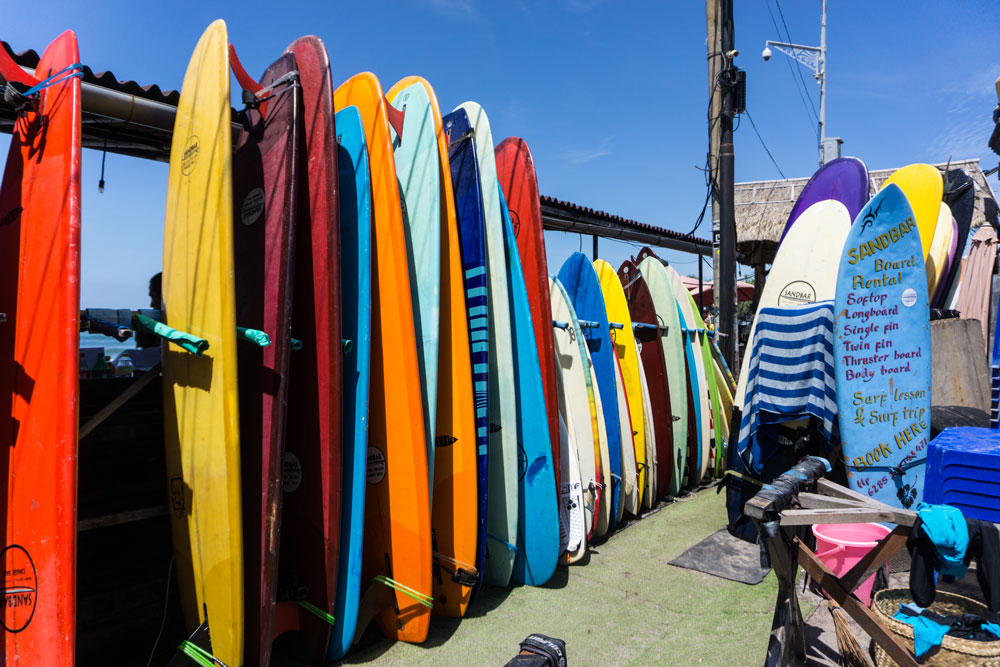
(20, 590)
(253, 206)
(797, 292)
(375, 466)
(177, 496)
(192, 147)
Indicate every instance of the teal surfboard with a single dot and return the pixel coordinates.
(538, 511)
(354, 191)
(502, 511)
(882, 352)
(418, 171)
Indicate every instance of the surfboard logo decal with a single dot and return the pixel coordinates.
(253, 206)
(192, 147)
(20, 593)
(376, 466)
(291, 473)
(797, 293)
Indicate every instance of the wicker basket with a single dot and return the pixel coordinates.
(953, 651)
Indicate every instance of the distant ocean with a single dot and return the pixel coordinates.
(111, 346)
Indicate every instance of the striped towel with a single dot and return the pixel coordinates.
(790, 375)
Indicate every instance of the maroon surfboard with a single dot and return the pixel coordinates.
(264, 192)
(516, 173)
(310, 534)
(642, 310)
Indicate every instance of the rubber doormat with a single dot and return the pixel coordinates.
(722, 555)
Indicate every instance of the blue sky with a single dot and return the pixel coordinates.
(610, 96)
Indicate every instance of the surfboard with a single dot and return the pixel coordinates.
(923, 186)
(419, 179)
(310, 539)
(580, 280)
(265, 191)
(650, 338)
(844, 179)
(516, 173)
(397, 544)
(674, 350)
(200, 401)
(882, 349)
(805, 271)
(502, 515)
(717, 454)
(453, 509)
(538, 511)
(39, 378)
(941, 290)
(650, 493)
(606, 512)
(937, 255)
(354, 195)
(630, 489)
(578, 408)
(472, 239)
(624, 345)
(578, 491)
(960, 194)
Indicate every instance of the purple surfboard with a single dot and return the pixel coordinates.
(844, 179)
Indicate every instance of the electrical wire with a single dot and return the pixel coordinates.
(791, 69)
(798, 70)
(761, 139)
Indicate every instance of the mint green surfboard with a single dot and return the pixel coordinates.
(418, 171)
(713, 390)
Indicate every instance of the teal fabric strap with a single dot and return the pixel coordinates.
(187, 341)
(296, 345)
(254, 336)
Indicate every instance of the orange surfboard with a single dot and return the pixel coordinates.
(454, 511)
(396, 567)
(39, 359)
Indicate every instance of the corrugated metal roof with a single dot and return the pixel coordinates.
(612, 221)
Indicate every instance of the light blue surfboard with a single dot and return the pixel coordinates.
(882, 351)
(538, 512)
(418, 170)
(354, 191)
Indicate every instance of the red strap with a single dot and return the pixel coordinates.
(395, 118)
(245, 80)
(11, 71)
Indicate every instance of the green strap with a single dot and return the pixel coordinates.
(347, 344)
(425, 600)
(296, 345)
(254, 336)
(308, 606)
(190, 343)
(199, 655)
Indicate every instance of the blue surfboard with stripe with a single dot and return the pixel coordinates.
(355, 283)
(580, 280)
(538, 511)
(469, 210)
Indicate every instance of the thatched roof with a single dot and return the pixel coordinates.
(762, 207)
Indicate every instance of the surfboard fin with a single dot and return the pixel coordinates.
(247, 83)
(395, 117)
(11, 71)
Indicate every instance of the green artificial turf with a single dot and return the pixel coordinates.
(626, 606)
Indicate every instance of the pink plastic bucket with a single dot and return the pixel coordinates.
(841, 545)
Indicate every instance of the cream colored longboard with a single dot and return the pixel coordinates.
(804, 270)
(651, 492)
(630, 488)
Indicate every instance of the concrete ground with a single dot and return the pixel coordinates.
(627, 606)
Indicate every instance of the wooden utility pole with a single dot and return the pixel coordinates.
(721, 82)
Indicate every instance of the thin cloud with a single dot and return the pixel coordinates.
(580, 155)
(456, 8)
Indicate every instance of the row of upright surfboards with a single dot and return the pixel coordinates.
(433, 411)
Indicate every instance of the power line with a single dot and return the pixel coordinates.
(798, 70)
(761, 139)
(791, 68)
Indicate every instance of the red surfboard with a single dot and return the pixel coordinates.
(516, 173)
(640, 305)
(265, 166)
(310, 533)
(39, 360)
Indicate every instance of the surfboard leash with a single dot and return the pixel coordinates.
(425, 600)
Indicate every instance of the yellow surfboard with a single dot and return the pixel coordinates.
(923, 186)
(937, 257)
(200, 410)
(624, 340)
